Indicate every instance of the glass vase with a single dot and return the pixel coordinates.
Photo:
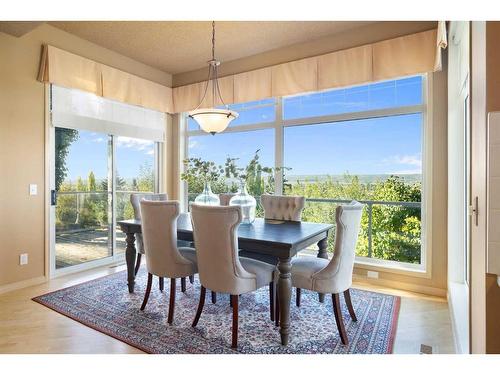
(247, 202)
(207, 197)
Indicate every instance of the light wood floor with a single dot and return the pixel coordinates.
(28, 327)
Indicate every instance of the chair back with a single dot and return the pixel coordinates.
(339, 270)
(159, 231)
(282, 207)
(225, 198)
(135, 200)
(215, 230)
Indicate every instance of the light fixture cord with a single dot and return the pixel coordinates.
(213, 40)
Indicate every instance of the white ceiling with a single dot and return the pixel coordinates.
(181, 46)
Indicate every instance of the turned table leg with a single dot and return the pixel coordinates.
(322, 253)
(130, 254)
(284, 296)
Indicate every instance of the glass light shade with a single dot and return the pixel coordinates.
(213, 120)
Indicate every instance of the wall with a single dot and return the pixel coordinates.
(22, 142)
(492, 104)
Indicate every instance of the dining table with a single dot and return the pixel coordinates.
(277, 238)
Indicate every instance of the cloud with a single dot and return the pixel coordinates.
(134, 143)
(98, 140)
(150, 152)
(192, 144)
(413, 164)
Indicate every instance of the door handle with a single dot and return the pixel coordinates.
(53, 197)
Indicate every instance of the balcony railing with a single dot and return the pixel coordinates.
(382, 238)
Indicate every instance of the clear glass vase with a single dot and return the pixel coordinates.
(207, 197)
(247, 203)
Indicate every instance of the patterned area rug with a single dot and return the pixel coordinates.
(105, 305)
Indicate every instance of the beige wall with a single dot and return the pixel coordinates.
(22, 142)
(492, 104)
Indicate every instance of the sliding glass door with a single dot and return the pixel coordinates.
(83, 200)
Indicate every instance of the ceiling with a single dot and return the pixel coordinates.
(182, 46)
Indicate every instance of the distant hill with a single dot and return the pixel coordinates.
(363, 178)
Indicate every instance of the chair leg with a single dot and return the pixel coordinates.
(138, 263)
(191, 279)
(230, 301)
(183, 285)
(271, 300)
(171, 305)
(234, 343)
(338, 318)
(347, 298)
(214, 297)
(297, 296)
(162, 284)
(148, 290)
(277, 306)
(200, 306)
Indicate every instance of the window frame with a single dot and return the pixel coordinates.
(280, 124)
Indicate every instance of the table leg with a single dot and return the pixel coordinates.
(130, 254)
(284, 296)
(322, 253)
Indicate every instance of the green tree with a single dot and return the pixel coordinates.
(63, 139)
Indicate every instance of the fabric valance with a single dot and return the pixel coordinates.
(66, 69)
(407, 55)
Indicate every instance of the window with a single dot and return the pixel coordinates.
(103, 151)
(364, 143)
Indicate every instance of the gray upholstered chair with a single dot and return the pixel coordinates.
(277, 207)
(135, 200)
(220, 268)
(163, 258)
(282, 207)
(225, 198)
(333, 276)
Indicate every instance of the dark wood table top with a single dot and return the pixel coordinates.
(276, 232)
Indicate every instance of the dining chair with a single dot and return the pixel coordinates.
(163, 257)
(225, 198)
(282, 207)
(135, 200)
(215, 230)
(333, 276)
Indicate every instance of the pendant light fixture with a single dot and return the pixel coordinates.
(213, 120)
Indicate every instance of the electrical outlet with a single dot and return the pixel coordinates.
(33, 189)
(23, 259)
(372, 274)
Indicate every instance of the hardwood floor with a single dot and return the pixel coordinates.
(28, 327)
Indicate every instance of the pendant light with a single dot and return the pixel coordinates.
(213, 120)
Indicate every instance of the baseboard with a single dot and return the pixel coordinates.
(416, 288)
(22, 284)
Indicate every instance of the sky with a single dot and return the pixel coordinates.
(389, 145)
(90, 152)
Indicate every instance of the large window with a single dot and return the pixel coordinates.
(364, 143)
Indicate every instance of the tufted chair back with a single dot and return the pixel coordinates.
(225, 198)
(135, 200)
(215, 230)
(282, 207)
(159, 229)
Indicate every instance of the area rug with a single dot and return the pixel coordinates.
(104, 304)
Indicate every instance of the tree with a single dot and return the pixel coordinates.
(63, 139)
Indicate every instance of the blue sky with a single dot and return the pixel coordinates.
(376, 146)
(90, 152)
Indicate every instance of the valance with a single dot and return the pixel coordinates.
(403, 56)
(66, 69)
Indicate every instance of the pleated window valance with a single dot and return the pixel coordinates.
(72, 71)
(407, 55)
